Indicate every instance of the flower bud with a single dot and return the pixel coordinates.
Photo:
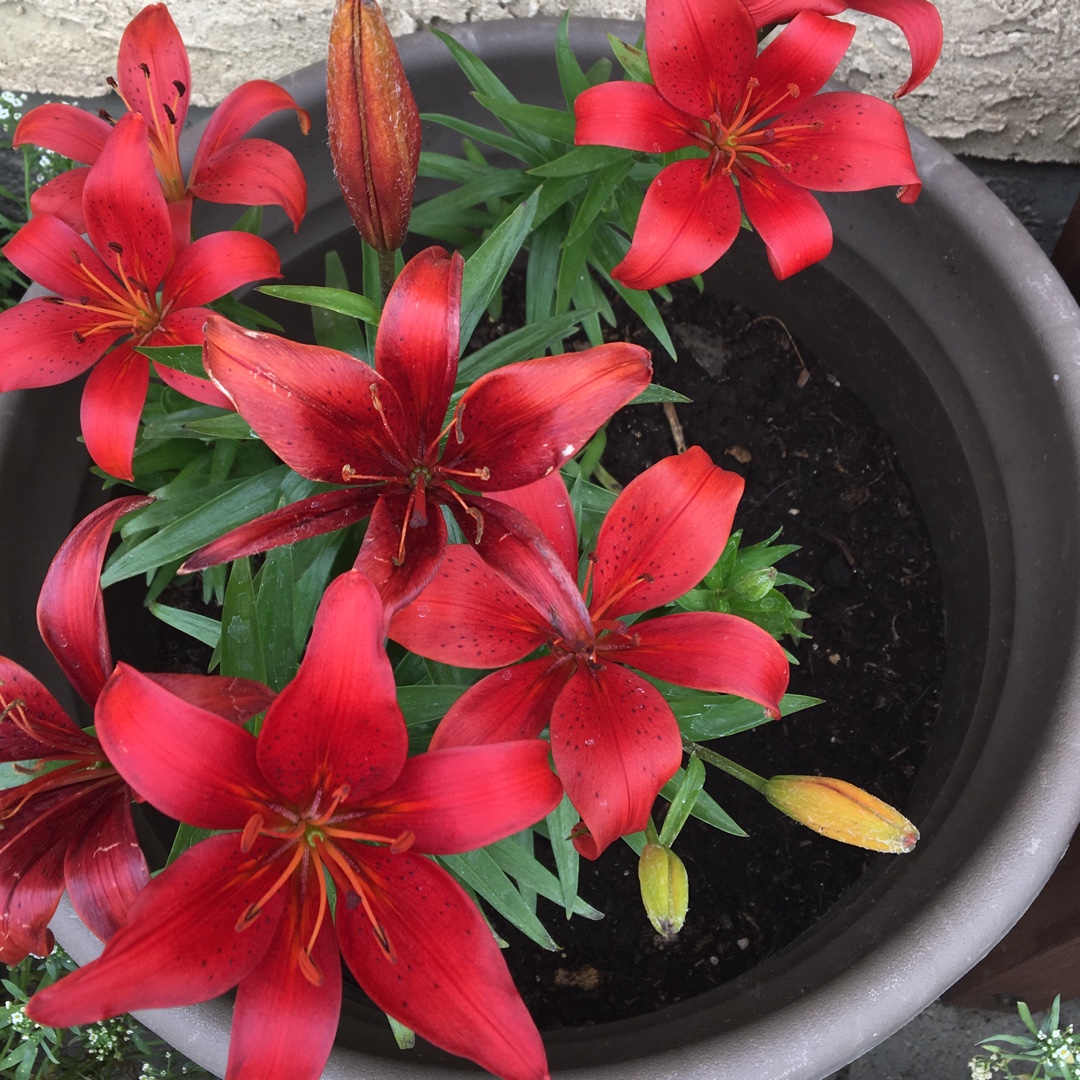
(842, 811)
(374, 123)
(665, 889)
(755, 584)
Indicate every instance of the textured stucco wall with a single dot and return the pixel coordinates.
(1007, 85)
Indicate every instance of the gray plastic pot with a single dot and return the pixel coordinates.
(953, 327)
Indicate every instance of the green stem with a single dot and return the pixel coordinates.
(732, 768)
(387, 272)
(651, 836)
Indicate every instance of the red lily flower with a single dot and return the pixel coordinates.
(383, 430)
(614, 738)
(326, 787)
(71, 826)
(760, 121)
(134, 289)
(153, 79)
(918, 20)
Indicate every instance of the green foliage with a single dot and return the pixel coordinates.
(1053, 1050)
(588, 196)
(117, 1049)
(745, 582)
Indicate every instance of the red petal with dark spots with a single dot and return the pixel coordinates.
(62, 197)
(803, 55)
(791, 222)
(689, 218)
(547, 504)
(700, 55)
(151, 61)
(112, 404)
(65, 129)
(127, 219)
(338, 723)
(525, 420)
(399, 582)
(631, 115)
(70, 609)
(710, 651)
(263, 1043)
(449, 982)
(417, 347)
(253, 172)
(215, 265)
(42, 344)
(57, 735)
(180, 944)
(615, 743)
(469, 616)
(327, 512)
(663, 534)
(314, 407)
(466, 797)
(190, 763)
(514, 703)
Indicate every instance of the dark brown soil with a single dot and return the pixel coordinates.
(816, 463)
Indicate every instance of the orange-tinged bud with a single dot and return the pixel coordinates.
(665, 889)
(374, 123)
(842, 811)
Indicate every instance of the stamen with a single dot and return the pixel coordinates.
(376, 401)
(181, 89)
(251, 832)
(616, 596)
(361, 897)
(255, 910)
(169, 113)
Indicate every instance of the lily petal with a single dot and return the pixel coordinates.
(920, 23)
(546, 503)
(466, 797)
(708, 650)
(631, 115)
(804, 55)
(461, 998)
(399, 582)
(469, 616)
(65, 129)
(62, 197)
(105, 869)
(215, 265)
(791, 222)
(514, 703)
(416, 350)
(313, 406)
(58, 736)
(112, 405)
(43, 343)
(70, 609)
(126, 216)
(615, 744)
(151, 61)
(50, 252)
(323, 513)
(180, 944)
(850, 142)
(253, 172)
(261, 1046)
(200, 768)
(235, 700)
(663, 534)
(700, 55)
(687, 221)
(521, 422)
(337, 723)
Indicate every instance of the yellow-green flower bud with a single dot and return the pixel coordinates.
(755, 584)
(665, 889)
(842, 811)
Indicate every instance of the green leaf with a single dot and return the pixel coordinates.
(230, 426)
(683, 801)
(185, 358)
(571, 77)
(339, 300)
(706, 808)
(581, 161)
(436, 166)
(497, 140)
(239, 503)
(10, 776)
(200, 627)
(241, 653)
(187, 836)
(274, 608)
(601, 189)
(514, 859)
(632, 59)
(529, 121)
(403, 1036)
(486, 268)
(450, 209)
(703, 715)
(481, 873)
(427, 704)
(560, 822)
(250, 221)
(653, 394)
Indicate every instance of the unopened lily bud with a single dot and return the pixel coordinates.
(665, 889)
(755, 584)
(374, 123)
(842, 811)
